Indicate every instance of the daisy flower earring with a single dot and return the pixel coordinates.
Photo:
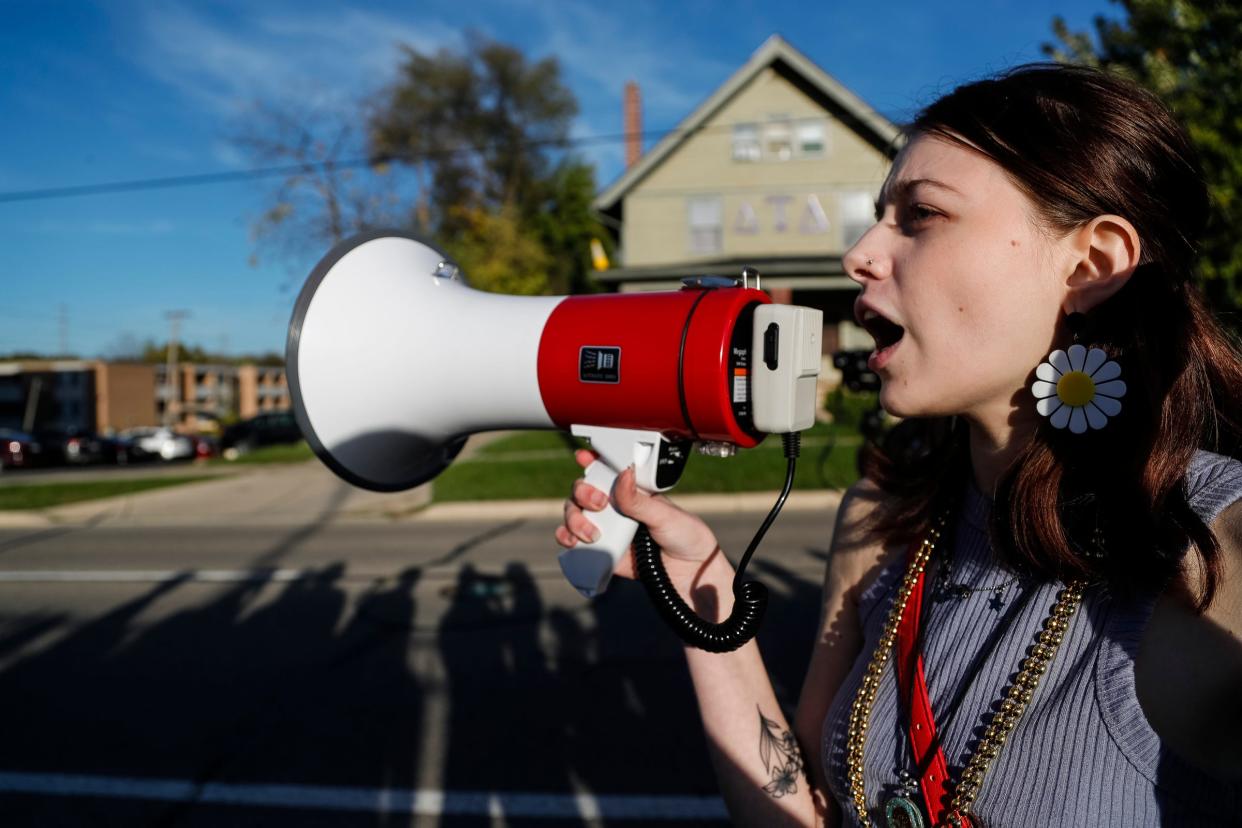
(1078, 387)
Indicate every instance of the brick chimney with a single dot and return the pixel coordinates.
(633, 124)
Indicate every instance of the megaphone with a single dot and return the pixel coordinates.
(393, 361)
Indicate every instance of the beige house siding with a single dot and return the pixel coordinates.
(753, 195)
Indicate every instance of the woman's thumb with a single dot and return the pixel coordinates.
(633, 502)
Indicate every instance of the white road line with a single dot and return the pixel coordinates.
(214, 576)
(372, 800)
(264, 576)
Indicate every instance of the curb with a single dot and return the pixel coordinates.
(18, 519)
(743, 502)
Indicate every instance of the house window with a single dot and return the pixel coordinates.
(705, 224)
(857, 216)
(810, 139)
(778, 139)
(746, 142)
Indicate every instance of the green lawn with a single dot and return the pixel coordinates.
(46, 495)
(291, 453)
(540, 464)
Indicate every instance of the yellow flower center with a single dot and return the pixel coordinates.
(1075, 388)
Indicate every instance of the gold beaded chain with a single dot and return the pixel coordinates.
(1012, 706)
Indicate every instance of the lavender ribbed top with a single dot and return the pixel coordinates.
(1083, 753)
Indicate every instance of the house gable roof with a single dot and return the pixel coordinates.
(798, 69)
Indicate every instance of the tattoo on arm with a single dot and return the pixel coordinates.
(780, 756)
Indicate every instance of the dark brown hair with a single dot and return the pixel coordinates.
(1110, 504)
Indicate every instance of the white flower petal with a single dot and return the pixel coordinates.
(1060, 417)
(1095, 417)
(1043, 389)
(1108, 405)
(1115, 389)
(1077, 355)
(1078, 420)
(1110, 370)
(1095, 358)
(1047, 373)
(1048, 405)
(1060, 361)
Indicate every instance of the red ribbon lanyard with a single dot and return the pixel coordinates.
(912, 685)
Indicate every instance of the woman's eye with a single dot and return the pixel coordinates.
(914, 217)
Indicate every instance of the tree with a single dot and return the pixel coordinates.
(331, 192)
(485, 132)
(468, 148)
(1189, 52)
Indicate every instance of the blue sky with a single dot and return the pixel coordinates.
(121, 90)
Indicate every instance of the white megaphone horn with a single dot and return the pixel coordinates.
(393, 360)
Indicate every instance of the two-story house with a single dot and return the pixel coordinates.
(778, 169)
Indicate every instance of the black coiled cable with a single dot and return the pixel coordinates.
(750, 599)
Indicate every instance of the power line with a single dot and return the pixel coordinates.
(256, 173)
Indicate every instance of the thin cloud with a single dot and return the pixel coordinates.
(606, 48)
(321, 60)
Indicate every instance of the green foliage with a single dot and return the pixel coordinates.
(848, 407)
(33, 356)
(484, 131)
(496, 254)
(290, 453)
(157, 354)
(566, 224)
(1189, 52)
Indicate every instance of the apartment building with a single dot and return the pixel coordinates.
(92, 395)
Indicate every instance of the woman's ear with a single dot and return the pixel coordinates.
(1106, 252)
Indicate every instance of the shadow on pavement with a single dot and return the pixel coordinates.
(320, 682)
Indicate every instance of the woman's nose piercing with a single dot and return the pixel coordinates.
(869, 261)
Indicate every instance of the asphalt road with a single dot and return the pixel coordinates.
(357, 673)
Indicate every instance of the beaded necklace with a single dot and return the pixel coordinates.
(1012, 705)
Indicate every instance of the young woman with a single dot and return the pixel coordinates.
(1064, 477)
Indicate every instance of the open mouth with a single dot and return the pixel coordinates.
(886, 333)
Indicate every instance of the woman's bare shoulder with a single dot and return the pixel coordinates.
(1225, 611)
(1188, 673)
(858, 553)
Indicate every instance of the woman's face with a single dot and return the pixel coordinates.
(956, 260)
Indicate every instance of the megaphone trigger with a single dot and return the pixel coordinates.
(589, 566)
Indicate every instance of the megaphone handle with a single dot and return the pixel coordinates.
(589, 566)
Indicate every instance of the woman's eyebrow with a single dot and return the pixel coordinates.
(902, 189)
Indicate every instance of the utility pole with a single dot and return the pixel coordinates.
(171, 385)
(64, 329)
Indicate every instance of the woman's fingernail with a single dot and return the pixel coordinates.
(594, 535)
(600, 501)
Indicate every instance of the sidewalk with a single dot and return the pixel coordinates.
(308, 493)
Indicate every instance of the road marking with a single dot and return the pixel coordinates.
(373, 800)
(265, 576)
(213, 576)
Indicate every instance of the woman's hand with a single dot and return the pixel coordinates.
(686, 540)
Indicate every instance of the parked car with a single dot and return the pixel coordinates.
(19, 450)
(79, 447)
(161, 442)
(66, 445)
(123, 450)
(270, 429)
